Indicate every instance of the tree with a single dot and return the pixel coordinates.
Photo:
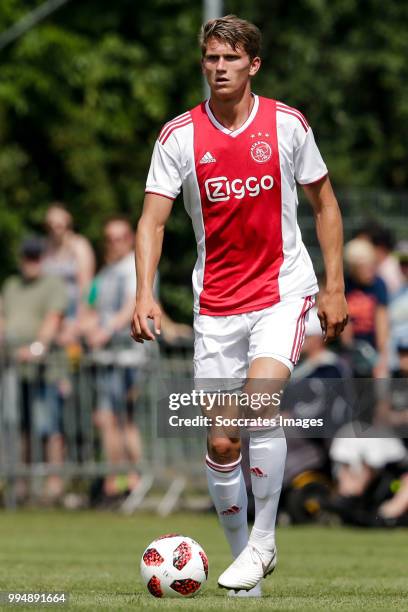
(343, 63)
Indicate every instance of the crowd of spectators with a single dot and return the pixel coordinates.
(365, 402)
(61, 301)
(58, 305)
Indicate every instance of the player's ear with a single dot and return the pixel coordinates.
(254, 66)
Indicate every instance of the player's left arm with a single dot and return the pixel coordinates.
(332, 305)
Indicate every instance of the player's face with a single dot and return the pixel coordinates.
(227, 70)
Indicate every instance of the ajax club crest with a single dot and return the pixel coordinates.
(261, 151)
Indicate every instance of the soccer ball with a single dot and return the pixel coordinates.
(174, 566)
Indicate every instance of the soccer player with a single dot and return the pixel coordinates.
(238, 157)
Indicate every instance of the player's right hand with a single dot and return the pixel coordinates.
(146, 308)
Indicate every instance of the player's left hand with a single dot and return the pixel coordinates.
(333, 313)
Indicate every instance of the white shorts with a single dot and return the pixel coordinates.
(225, 347)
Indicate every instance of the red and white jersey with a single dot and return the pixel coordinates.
(239, 188)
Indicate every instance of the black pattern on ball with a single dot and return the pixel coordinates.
(168, 535)
(181, 555)
(185, 587)
(154, 587)
(152, 557)
(205, 562)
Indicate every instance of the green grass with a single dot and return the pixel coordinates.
(95, 557)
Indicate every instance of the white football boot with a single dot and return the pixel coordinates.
(248, 568)
(255, 592)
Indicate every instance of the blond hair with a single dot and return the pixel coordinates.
(233, 31)
(359, 251)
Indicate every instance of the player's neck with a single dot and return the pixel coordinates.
(233, 113)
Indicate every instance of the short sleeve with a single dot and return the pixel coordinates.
(164, 176)
(308, 163)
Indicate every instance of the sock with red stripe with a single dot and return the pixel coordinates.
(267, 456)
(227, 489)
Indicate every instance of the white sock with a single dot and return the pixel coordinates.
(267, 456)
(228, 492)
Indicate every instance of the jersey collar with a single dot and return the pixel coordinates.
(243, 127)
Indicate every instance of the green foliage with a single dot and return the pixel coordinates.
(343, 63)
(83, 95)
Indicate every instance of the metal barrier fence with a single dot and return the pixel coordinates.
(357, 205)
(62, 393)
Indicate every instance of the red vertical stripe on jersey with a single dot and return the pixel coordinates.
(242, 213)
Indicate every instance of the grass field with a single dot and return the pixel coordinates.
(95, 557)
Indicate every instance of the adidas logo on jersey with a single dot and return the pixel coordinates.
(207, 158)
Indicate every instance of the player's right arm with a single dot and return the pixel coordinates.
(149, 241)
(163, 185)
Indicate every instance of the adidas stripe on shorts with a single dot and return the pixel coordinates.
(225, 346)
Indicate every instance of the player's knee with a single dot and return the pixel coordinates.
(224, 450)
